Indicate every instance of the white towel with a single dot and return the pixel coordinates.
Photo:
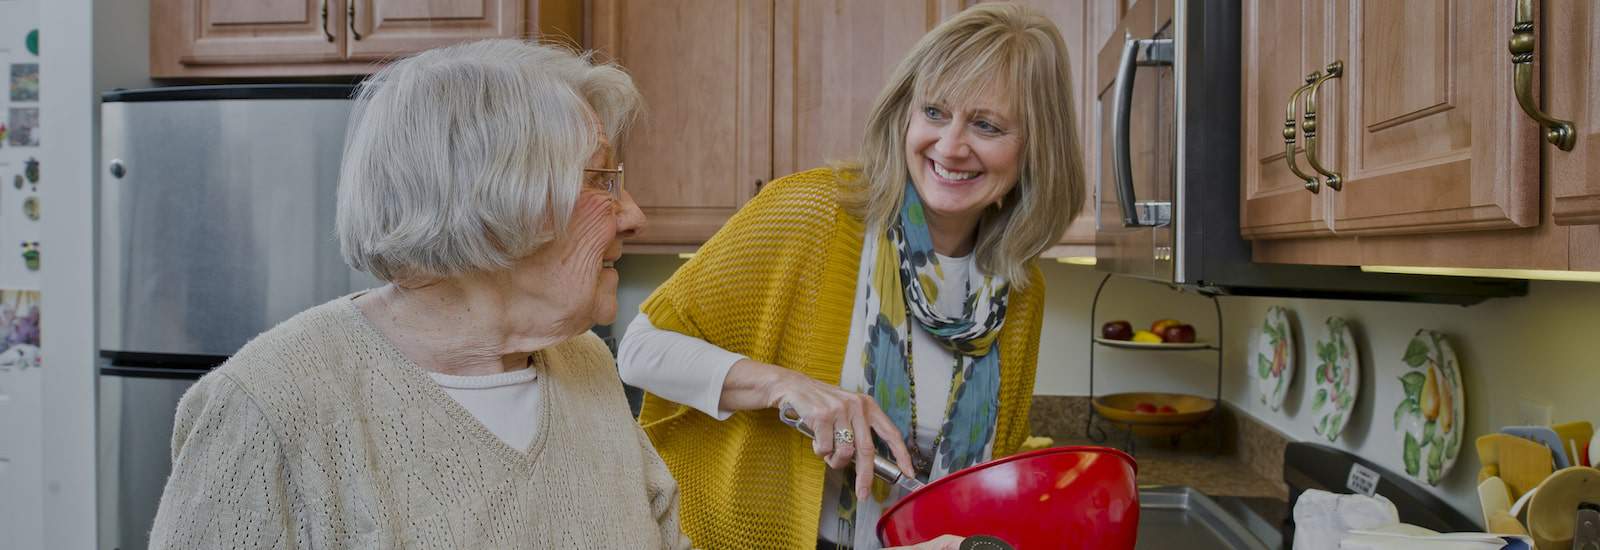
(1322, 518)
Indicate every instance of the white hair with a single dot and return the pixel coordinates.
(468, 157)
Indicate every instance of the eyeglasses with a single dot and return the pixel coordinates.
(608, 179)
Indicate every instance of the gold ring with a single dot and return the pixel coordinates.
(843, 436)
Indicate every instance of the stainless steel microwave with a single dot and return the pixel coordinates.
(1167, 190)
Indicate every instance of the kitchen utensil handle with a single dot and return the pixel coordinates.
(1290, 117)
(350, 18)
(882, 467)
(1308, 126)
(1522, 46)
(1159, 52)
(325, 30)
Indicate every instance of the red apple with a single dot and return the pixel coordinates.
(1167, 409)
(1178, 334)
(1117, 330)
(1145, 408)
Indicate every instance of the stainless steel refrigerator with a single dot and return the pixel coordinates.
(216, 213)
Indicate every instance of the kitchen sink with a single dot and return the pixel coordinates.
(1181, 517)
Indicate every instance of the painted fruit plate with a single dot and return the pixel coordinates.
(1273, 364)
(1432, 407)
(1130, 344)
(1336, 380)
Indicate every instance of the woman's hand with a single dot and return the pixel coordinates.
(827, 409)
(945, 542)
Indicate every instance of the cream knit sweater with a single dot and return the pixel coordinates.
(320, 434)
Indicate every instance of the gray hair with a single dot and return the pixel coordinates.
(468, 157)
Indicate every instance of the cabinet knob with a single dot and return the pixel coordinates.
(117, 169)
(759, 183)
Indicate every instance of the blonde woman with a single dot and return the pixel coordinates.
(894, 304)
(464, 404)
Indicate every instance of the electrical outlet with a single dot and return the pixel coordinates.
(1533, 413)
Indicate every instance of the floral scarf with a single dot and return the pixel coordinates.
(902, 275)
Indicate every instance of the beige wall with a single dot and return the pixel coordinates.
(1542, 349)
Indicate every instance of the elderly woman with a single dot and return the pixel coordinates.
(464, 404)
(892, 304)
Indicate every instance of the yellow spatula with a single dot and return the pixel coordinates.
(1523, 464)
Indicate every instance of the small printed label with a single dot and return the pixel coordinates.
(1362, 480)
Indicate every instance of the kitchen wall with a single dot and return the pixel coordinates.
(1543, 349)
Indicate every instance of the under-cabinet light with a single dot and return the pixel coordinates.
(1536, 274)
(1077, 260)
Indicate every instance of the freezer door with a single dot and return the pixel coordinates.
(216, 220)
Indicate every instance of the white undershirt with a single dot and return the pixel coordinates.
(506, 403)
(691, 371)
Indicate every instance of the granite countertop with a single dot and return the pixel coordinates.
(1209, 473)
(1230, 455)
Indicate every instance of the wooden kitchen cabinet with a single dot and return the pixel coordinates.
(243, 32)
(379, 30)
(298, 38)
(1428, 136)
(1418, 129)
(1283, 42)
(1570, 47)
(1567, 45)
(705, 144)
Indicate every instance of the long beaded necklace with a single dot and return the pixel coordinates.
(924, 463)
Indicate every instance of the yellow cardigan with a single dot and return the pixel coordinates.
(778, 284)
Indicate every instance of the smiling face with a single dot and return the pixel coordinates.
(963, 158)
(584, 257)
(599, 224)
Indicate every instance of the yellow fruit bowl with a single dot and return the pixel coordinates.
(1124, 409)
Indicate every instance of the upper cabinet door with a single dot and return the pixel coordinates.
(231, 32)
(1570, 51)
(1283, 43)
(1433, 139)
(831, 59)
(379, 30)
(705, 143)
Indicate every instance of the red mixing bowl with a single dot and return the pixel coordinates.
(1063, 497)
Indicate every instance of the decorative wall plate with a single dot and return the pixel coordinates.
(1429, 419)
(1273, 362)
(1336, 380)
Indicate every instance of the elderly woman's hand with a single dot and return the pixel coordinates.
(830, 411)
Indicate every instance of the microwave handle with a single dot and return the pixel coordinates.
(1158, 52)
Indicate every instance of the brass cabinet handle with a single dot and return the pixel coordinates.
(1308, 126)
(1289, 117)
(1556, 131)
(325, 30)
(350, 17)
